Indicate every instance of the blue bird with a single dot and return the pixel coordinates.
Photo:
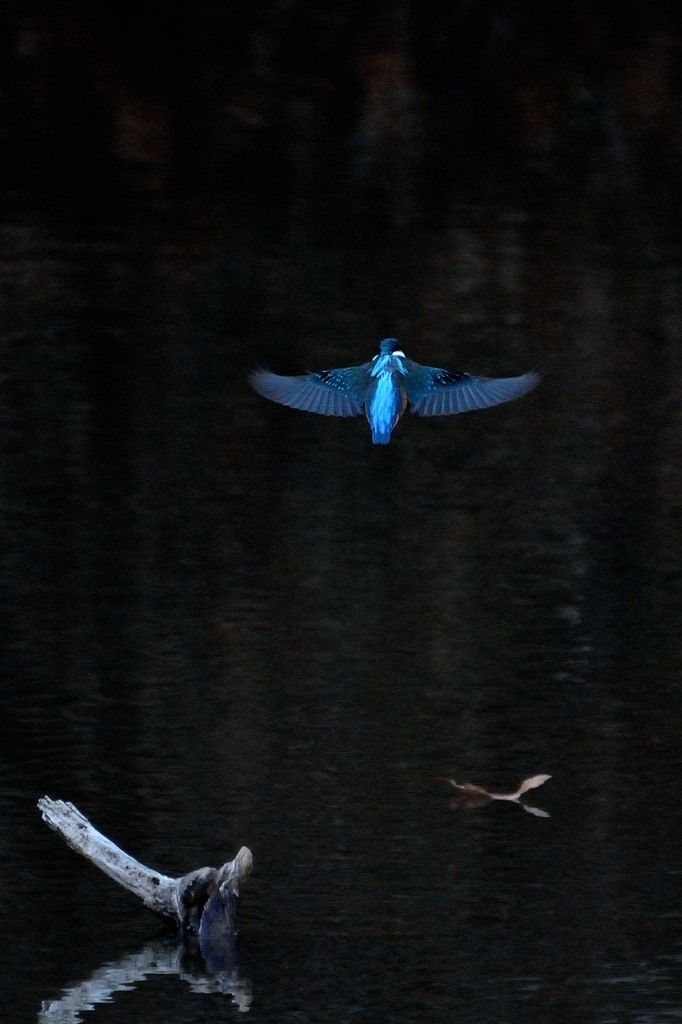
(384, 387)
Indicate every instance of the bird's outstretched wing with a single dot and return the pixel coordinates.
(435, 392)
(330, 392)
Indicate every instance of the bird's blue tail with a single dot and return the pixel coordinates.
(381, 436)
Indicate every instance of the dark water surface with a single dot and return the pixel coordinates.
(229, 623)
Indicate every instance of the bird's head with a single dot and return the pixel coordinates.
(388, 346)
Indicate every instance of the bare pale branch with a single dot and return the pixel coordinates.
(532, 783)
(179, 898)
(473, 795)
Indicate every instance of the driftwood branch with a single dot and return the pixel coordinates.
(471, 795)
(214, 890)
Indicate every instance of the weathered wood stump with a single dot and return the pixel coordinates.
(203, 902)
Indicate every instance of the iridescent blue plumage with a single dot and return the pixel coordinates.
(384, 387)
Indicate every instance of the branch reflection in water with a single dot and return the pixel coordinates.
(156, 957)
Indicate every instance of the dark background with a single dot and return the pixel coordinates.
(229, 623)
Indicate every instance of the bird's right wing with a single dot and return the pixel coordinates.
(435, 392)
(330, 392)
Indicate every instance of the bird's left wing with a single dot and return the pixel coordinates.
(435, 392)
(330, 392)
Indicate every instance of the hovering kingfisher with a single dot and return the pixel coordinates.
(384, 387)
